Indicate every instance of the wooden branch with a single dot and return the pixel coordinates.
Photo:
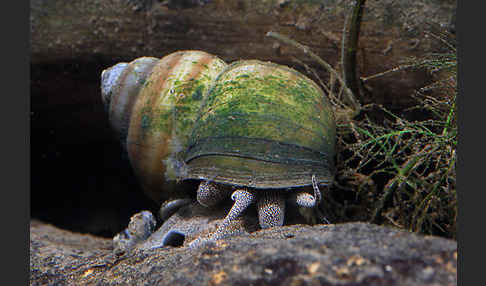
(349, 46)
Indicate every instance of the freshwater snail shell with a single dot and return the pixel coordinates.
(152, 105)
(263, 125)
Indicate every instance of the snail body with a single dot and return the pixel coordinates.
(267, 131)
(257, 132)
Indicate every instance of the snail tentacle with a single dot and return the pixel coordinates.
(230, 224)
(317, 192)
(242, 198)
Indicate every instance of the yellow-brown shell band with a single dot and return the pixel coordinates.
(165, 111)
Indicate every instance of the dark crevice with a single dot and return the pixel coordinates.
(80, 178)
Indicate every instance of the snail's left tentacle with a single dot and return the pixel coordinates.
(243, 198)
(229, 226)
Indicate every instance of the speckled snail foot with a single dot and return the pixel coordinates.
(193, 225)
(260, 133)
(270, 207)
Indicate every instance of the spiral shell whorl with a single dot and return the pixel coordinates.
(152, 105)
(109, 79)
(120, 86)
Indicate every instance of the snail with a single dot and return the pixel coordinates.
(258, 132)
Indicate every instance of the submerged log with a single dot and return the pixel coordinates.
(122, 29)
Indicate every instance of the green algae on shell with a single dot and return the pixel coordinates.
(263, 125)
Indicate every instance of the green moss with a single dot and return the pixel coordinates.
(269, 106)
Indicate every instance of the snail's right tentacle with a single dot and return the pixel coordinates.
(317, 192)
